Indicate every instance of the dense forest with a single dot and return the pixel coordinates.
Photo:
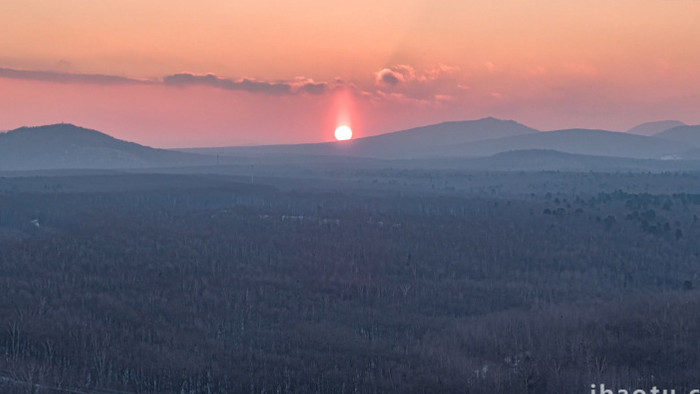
(357, 281)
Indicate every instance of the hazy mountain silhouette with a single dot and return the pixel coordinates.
(477, 138)
(63, 146)
(652, 128)
(409, 143)
(576, 141)
(689, 135)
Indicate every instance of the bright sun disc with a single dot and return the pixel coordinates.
(343, 133)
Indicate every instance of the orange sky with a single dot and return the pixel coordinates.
(285, 71)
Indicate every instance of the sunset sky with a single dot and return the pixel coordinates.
(221, 72)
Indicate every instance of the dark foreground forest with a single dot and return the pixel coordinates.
(361, 281)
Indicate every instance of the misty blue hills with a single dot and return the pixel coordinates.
(652, 128)
(488, 144)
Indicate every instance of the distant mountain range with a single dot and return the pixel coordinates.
(416, 142)
(486, 137)
(488, 143)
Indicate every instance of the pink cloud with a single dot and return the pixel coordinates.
(395, 75)
(405, 83)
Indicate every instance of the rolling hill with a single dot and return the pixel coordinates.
(575, 141)
(65, 146)
(689, 135)
(652, 128)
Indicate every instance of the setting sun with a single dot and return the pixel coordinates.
(343, 133)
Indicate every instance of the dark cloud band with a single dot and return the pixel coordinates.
(247, 85)
(306, 86)
(52, 76)
(228, 84)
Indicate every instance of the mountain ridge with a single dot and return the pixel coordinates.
(652, 128)
(687, 134)
(594, 142)
(393, 145)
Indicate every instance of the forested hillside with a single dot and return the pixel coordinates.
(540, 283)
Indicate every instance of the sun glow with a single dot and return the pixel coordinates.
(343, 133)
